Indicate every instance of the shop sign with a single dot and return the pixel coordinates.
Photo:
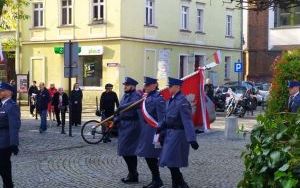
(61, 50)
(91, 50)
(112, 64)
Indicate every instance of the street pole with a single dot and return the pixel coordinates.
(17, 64)
(70, 80)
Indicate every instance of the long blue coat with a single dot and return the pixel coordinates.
(295, 104)
(155, 106)
(179, 132)
(9, 124)
(129, 126)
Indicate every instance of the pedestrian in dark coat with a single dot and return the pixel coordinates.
(155, 107)
(43, 98)
(32, 91)
(60, 101)
(294, 99)
(129, 129)
(209, 89)
(180, 133)
(10, 123)
(108, 102)
(76, 105)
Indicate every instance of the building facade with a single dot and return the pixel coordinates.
(269, 33)
(7, 65)
(129, 38)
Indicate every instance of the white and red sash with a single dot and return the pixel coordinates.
(148, 118)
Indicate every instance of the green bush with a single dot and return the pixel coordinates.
(272, 159)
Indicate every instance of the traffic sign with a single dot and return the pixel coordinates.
(238, 67)
(71, 59)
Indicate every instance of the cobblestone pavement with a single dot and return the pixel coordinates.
(52, 160)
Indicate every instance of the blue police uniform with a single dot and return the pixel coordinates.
(179, 134)
(129, 126)
(294, 101)
(129, 131)
(155, 106)
(9, 134)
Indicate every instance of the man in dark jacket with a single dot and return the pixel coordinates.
(108, 102)
(32, 92)
(43, 98)
(9, 132)
(60, 101)
(209, 89)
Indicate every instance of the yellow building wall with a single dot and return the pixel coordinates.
(48, 67)
(133, 59)
(167, 19)
(82, 28)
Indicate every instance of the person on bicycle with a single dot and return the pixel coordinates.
(155, 107)
(129, 129)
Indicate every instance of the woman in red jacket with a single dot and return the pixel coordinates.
(52, 90)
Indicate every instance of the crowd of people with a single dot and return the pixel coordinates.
(54, 103)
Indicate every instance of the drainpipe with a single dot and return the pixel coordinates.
(17, 60)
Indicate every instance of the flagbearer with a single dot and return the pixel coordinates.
(129, 129)
(180, 134)
(154, 107)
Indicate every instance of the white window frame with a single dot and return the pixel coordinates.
(40, 12)
(68, 7)
(229, 24)
(150, 7)
(184, 17)
(98, 4)
(200, 20)
(185, 65)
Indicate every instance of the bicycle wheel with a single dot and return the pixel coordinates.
(91, 132)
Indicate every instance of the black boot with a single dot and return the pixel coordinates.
(156, 183)
(183, 185)
(63, 129)
(131, 178)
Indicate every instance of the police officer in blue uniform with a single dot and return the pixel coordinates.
(180, 134)
(129, 129)
(9, 132)
(155, 106)
(294, 99)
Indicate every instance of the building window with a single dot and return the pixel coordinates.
(229, 25)
(289, 17)
(183, 66)
(199, 62)
(227, 67)
(184, 17)
(149, 12)
(38, 15)
(200, 20)
(98, 10)
(91, 71)
(66, 17)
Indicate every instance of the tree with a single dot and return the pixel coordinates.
(260, 5)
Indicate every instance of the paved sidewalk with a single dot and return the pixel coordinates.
(52, 160)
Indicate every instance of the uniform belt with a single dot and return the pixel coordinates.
(176, 127)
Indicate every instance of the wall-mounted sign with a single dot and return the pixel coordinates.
(61, 50)
(91, 50)
(22, 83)
(112, 64)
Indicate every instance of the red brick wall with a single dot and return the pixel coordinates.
(260, 58)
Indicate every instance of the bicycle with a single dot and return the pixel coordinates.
(94, 131)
